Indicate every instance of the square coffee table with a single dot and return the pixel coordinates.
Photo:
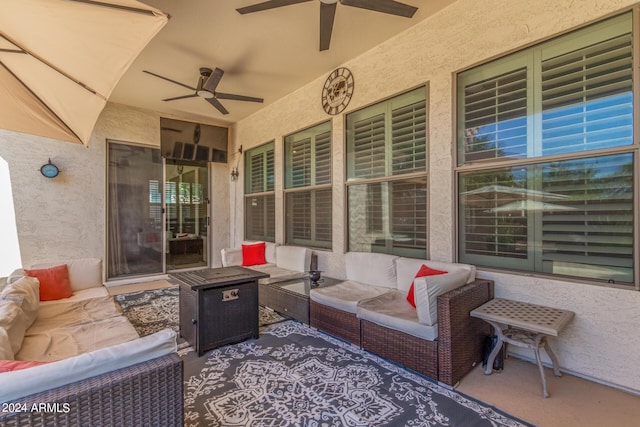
(291, 298)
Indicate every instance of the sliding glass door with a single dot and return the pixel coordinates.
(157, 213)
(187, 206)
(134, 211)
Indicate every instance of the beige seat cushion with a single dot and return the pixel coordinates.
(276, 274)
(392, 311)
(346, 295)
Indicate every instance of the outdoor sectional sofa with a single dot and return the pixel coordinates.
(97, 370)
(438, 338)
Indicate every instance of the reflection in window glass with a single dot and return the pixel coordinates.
(389, 217)
(571, 218)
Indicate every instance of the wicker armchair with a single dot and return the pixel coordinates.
(146, 394)
(447, 359)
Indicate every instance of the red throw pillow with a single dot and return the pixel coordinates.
(54, 282)
(15, 365)
(253, 254)
(423, 272)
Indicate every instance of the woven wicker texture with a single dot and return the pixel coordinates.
(407, 350)
(335, 322)
(146, 394)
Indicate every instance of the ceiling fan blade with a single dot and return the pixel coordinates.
(217, 104)
(327, 14)
(214, 79)
(271, 4)
(221, 95)
(181, 97)
(385, 6)
(169, 80)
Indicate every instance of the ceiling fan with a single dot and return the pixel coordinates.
(328, 11)
(206, 88)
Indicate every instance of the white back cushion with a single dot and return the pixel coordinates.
(270, 252)
(17, 384)
(406, 269)
(427, 289)
(231, 256)
(372, 269)
(294, 258)
(84, 273)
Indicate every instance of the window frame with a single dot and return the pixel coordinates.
(486, 165)
(389, 177)
(312, 188)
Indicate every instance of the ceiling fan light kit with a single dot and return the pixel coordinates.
(328, 11)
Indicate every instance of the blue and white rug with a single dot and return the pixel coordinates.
(294, 375)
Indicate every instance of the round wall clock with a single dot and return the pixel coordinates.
(337, 91)
(49, 170)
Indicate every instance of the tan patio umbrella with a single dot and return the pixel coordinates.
(61, 59)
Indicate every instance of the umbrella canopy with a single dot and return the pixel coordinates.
(61, 59)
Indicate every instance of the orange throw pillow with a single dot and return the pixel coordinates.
(423, 272)
(253, 254)
(15, 365)
(54, 282)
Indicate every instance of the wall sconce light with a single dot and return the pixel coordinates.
(234, 174)
(49, 170)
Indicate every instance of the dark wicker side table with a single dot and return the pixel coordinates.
(291, 298)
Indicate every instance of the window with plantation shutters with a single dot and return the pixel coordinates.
(386, 176)
(567, 105)
(308, 201)
(259, 193)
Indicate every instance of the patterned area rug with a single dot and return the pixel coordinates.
(294, 375)
(152, 311)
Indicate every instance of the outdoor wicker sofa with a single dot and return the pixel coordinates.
(380, 320)
(145, 394)
(77, 361)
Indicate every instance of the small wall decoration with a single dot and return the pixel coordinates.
(337, 91)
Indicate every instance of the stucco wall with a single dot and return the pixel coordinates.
(65, 217)
(603, 341)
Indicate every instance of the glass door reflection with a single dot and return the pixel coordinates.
(187, 216)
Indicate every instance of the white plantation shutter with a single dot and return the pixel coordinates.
(408, 134)
(369, 154)
(323, 158)
(308, 202)
(494, 116)
(260, 207)
(587, 100)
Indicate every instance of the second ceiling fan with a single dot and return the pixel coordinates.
(206, 88)
(328, 11)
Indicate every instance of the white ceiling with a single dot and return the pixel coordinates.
(266, 54)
